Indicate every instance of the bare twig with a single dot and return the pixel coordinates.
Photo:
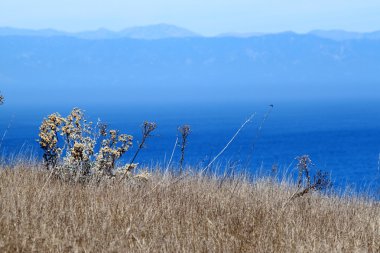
(171, 157)
(147, 129)
(46, 182)
(184, 131)
(258, 131)
(6, 131)
(230, 141)
(303, 165)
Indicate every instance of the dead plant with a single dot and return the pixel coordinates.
(321, 180)
(76, 138)
(147, 129)
(184, 131)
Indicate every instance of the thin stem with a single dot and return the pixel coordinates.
(231, 140)
(171, 157)
(6, 131)
(258, 132)
(147, 129)
(185, 131)
(137, 151)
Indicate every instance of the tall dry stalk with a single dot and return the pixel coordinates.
(172, 154)
(229, 142)
(304, 163)
(6, 131)
(258, 133)
(9, 125)
(147, 129)
(184, 131)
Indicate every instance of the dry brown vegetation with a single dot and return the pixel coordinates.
(191, 213)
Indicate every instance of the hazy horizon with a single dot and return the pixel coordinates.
(211, 18)
(186, 28)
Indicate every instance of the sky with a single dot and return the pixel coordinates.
(209, 17)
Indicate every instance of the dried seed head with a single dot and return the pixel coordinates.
(102, 129)
(304, 162)
(184, 130)
(148, 127)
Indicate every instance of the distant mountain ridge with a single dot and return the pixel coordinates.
(159, 31)
(240, 35)
(10, 31)
(164, 31)
(340, 35)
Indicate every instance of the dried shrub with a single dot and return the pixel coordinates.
(321, 180)
(79, 142)
(48, 140)
(113, 146)
(69, 145)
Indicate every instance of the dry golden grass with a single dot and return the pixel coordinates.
(165, 214)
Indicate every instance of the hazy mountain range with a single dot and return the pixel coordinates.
(161, 31)
(50, 67)
(341, 35)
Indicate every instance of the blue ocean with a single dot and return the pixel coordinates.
(342, 138)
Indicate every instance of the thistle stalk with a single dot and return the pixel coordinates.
(184, 131)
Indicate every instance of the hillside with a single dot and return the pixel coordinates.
(170, 214)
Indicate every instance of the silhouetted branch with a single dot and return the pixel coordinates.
(147, 129)
(184, 131)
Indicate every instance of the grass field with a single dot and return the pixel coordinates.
(171, 214)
